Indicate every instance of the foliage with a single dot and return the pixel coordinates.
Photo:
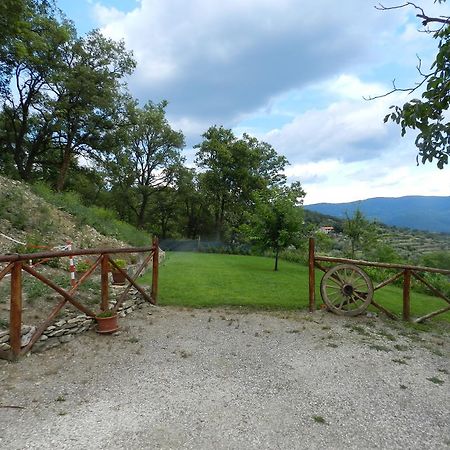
(121, 263)
(439, 259)
(232, 170)
(149, 161)
(276, 221)
(106, 314)
(83, 266)
(66, 92)
(429, 113)
(360, 231)
(105, 221)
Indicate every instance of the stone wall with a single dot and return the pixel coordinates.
(65, 329)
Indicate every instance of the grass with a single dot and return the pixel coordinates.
(209, 280)
(103, 220)
(319, 419)
(202, 280)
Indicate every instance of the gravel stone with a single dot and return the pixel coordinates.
(233, 379)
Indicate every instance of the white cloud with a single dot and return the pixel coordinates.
(351, 87)
(220, 59)
(226, 62)
(345, 130)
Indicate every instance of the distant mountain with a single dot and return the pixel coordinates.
(416, 212)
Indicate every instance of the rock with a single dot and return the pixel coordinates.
(75, 320)
(66, 338)
(5, 347)
(4, 338)
(57, 333)
(25, 329)
(26, 338)
(60, 323)
(43, 338)
(4, 333)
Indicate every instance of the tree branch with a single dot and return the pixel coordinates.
(422, 15)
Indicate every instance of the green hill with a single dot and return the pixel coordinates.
(414, 212)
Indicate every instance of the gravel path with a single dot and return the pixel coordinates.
(229, 379)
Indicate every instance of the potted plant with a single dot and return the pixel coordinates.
(107, 322)
(82, 267)
(118, 277)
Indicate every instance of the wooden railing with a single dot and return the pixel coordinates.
(404, 271)
(17, 263)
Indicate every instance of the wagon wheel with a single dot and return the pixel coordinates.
(346, 289)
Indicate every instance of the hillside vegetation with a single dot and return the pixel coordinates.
(42, 218)
(412, 246)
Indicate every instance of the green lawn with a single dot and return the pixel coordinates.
(210, 280)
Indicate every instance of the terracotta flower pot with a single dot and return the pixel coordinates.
(107, 325)
(118, 278)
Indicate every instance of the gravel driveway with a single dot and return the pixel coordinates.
(230, 379)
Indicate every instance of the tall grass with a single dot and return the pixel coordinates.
(103, 220)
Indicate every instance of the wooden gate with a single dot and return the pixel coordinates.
(18, 263)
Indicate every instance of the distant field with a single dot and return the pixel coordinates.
(211, 280)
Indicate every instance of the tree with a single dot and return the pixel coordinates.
(233, 169)
(359, 230)
(429, 114)
(66, 91)
(88, 90)
(276, 221)
(33, 57)
(148, 162)
(195, 218)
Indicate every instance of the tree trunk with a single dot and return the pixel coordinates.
(276, 259)
(64, 168)
(142, 208)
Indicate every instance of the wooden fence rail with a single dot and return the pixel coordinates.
(17, 263)
(407, 272)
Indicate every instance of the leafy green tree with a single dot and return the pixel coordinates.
(66, 92)
(88, 90)
(361, 232)
(276, 221)
(428, 114)
(148, 163)
(232, 170)
(14, 18)
(439, 259)
(34, 56)
(195, 218)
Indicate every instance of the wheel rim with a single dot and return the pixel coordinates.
(346, 290)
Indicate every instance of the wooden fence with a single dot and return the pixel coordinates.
(403, 271)
(17, 263)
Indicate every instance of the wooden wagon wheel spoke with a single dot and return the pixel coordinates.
(346, 289)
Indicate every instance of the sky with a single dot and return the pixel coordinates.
(293, 73)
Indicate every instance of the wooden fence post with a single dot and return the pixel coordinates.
(15, 313)
(312, 277)
(406, 294)
(155, 270)
(105, 283)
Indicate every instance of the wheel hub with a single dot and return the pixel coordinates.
(347, 290)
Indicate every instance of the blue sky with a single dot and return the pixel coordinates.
(290, 72)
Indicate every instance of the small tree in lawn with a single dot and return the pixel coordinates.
(277, 219)
(360, 231)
